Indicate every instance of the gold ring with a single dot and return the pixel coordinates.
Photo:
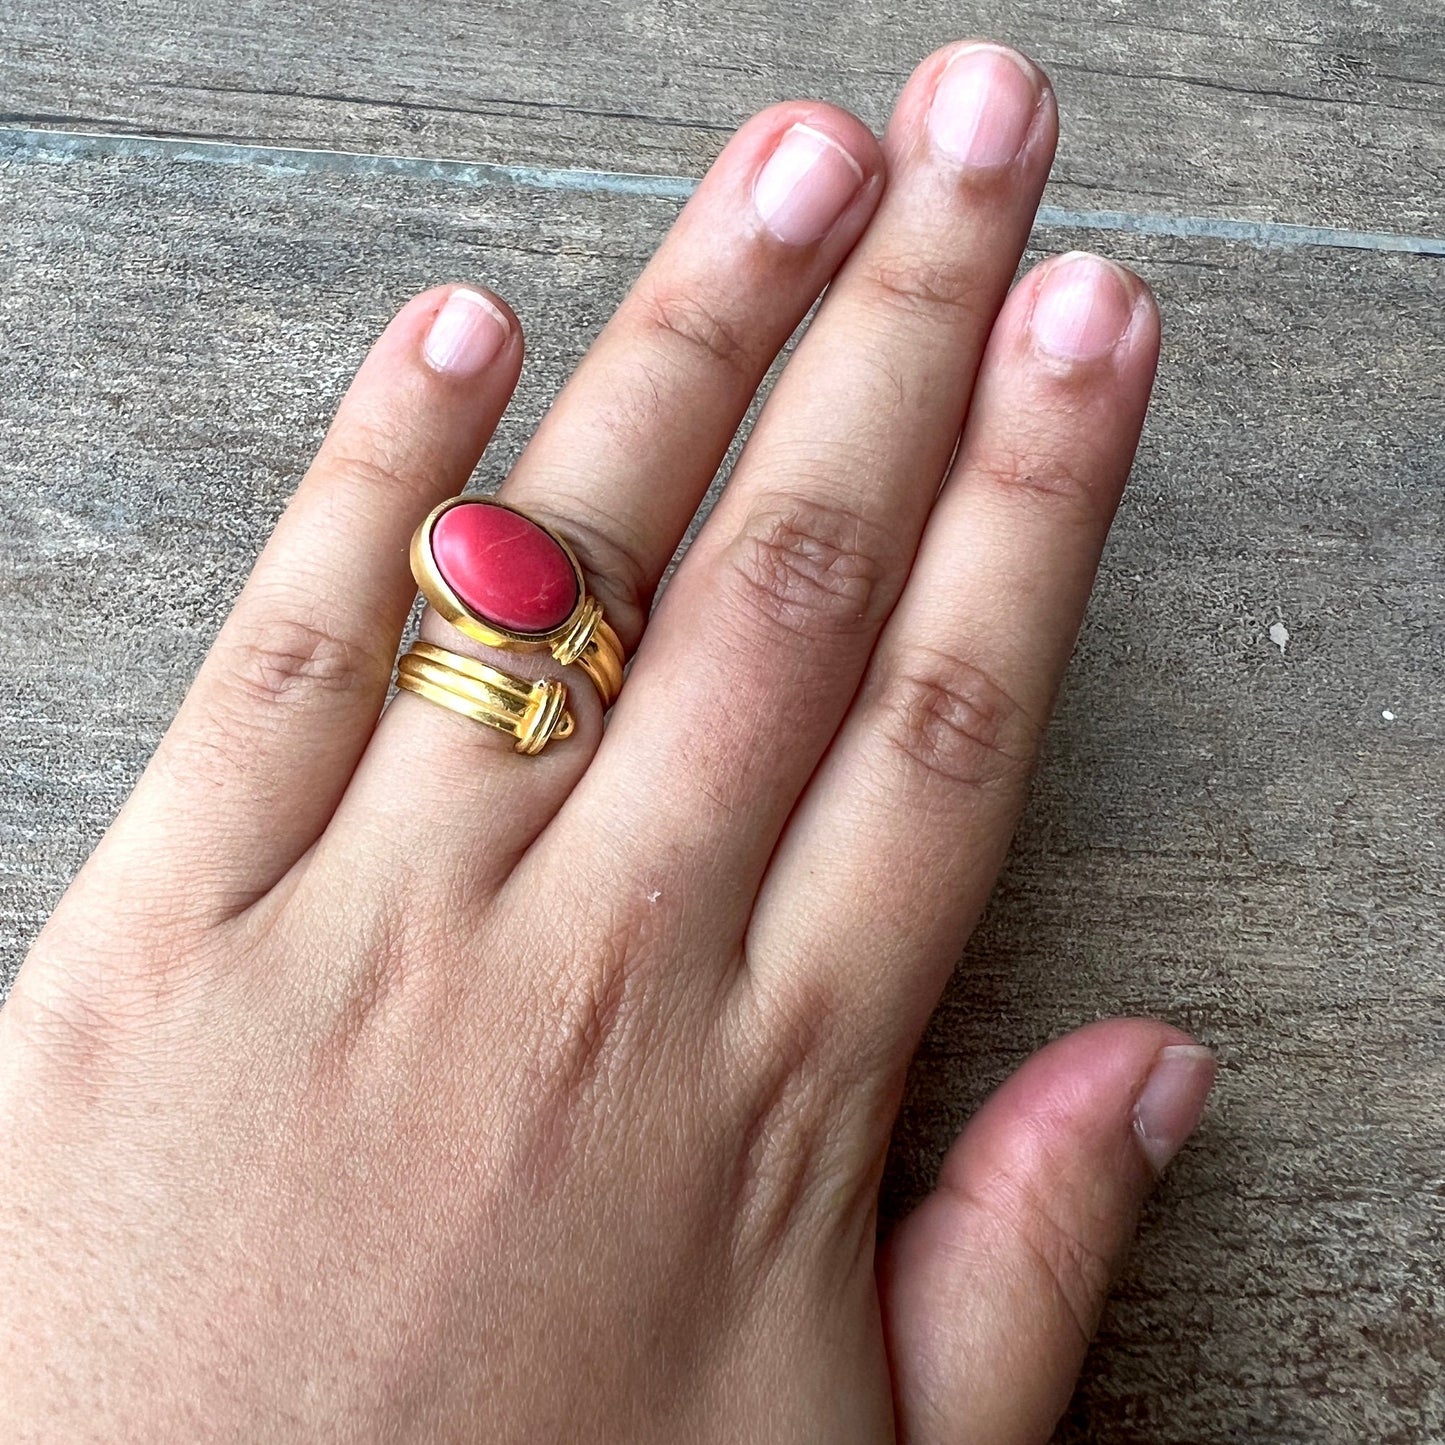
(504, 579)
(532, 712)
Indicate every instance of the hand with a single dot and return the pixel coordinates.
(375, 1082)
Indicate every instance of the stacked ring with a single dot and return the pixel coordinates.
(507, 581)
(531, 712)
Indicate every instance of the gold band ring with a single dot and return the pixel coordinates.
(531, 712)
(506, 580)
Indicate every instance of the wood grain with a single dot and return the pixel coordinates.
(1226, 833)
(1297, 111)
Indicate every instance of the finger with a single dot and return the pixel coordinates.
(893, 851)
(992, 1288)
(626, 455)
(760, 641)
(623, 459)
(251, 770)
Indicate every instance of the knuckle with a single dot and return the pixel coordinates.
(786, 1157)
(596, 1026)
(1076, 1273)
(285, 660)
(916, 289)
(952, 719)
(58, 1018)
(93, 1005)
(810, 569)
(1012, 1218)
(1065, 490)
(366, 463)
(813, 1105)
(589, 1019)
(387, 989)
(681, 320)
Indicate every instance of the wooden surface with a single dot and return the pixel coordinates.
(1228, 833)
(1301, 110)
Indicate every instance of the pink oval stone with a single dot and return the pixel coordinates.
(504, 568)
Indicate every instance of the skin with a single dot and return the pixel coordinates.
(373, 1082)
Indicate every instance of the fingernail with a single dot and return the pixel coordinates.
(1083, 308)
(805, 186)
(983, 106)
(1171, 1102)
(467, 333)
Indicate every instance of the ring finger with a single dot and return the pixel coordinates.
(774, 612)
(626, 454)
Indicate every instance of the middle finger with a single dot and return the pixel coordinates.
(623, 458)
(759, 644)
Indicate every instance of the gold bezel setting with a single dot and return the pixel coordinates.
(583, 636)
(445, 602)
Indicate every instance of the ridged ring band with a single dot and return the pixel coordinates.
(531, 712)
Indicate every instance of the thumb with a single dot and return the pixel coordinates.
(992, 1287)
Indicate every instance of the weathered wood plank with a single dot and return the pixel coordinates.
(1328, 113)
(1225, 833)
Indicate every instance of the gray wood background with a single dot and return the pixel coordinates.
(209, 211)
